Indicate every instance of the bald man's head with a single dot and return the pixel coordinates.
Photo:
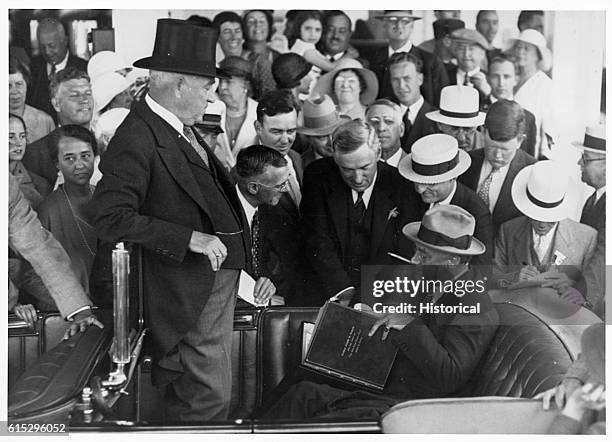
(52, 40)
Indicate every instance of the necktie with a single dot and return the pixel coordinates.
(406, 121)
(255, 242)
(539, 247)
(485, 187)
(294, 189)
(359, 208)
(590, 203)
(466, 79)
(52, 71)
(187, 131)
(332, 58)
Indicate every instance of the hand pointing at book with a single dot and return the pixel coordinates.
(390, 321)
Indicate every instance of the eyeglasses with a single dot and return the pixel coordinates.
(586, 159)
(282, 187)
(398, 21)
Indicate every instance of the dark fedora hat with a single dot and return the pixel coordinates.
(288, 69)
(210, 123)
(237, 67)
(183, 47)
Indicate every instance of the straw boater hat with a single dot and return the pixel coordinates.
(539, 191)
(446, 228)
(319, 116)
(538, 40)
(459, 106)
(182, 47)
(325, 83)
(105, 61)
(594, 140)
(434, 159)
(398, 14)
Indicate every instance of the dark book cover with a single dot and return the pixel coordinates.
(340, 347)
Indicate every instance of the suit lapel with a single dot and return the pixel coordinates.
(505, 195)
(521, 243)
(338, 202)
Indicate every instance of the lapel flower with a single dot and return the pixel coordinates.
(393, 213)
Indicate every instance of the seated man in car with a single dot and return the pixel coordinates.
(437, 353)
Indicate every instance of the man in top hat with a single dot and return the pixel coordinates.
(495, 166)
(290, 71)
(440, 45)
(386, 117)
(164, 189)
(406, 76)
(543, 240)
(459, 116)
(54, 57)
(437, 353)
(502, 76)
(353, 208)
(319, 120)
(593, 167)
(397, 26)
(433, 166)
(470, 48)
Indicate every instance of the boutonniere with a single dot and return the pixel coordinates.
(558, 258)
(393, 213)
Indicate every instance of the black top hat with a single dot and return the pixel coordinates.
(210, 123)
(445, 26)
(288, 69)
(183, 47)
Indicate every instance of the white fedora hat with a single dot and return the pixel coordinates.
(325, 85)
(105, 61)
(459, 106)
(434, 159)
(535, 38)
(539, 191)
(594, 139)
(447, 228)
(106, 87)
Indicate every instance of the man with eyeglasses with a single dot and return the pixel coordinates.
(353, 210)
(397, 27)
(71, 98)
(386, 118)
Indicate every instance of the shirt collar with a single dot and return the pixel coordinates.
(446, 201)
(599, 192)
(414, 108)
(60, 66)
(405, 48)
(546, 237)
(366, 193)
(394, 159)
(165, 115)
(469, 74)
(249, 210)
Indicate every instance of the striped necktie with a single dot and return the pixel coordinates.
(188, 132)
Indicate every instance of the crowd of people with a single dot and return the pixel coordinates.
(299, 158)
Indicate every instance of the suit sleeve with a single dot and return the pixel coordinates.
(44, 253)
(320, 246)
(449, 359)
(126, 172)
(503, 273)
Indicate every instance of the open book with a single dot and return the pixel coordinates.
(338, 345)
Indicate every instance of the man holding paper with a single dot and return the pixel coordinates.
(542, 248)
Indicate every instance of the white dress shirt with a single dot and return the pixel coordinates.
(414, 109)
(599, 193)
(541, 243)
(293, 182)
(394, 159)
(496, 183)
(405, 48)
(166, 115)
(461, 76)
(367, 194)
(249, 209)
(446, 201)
(58, 67)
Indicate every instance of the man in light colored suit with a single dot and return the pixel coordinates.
(543, 247)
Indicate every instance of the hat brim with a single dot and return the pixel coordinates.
(531, 210)
(546, 62)
(411, 231)
(474, 42)
(325, 85)
(461, 122)
(581, 146)
(179, 66)
(383, 16)
(405, 170)
(321, 131)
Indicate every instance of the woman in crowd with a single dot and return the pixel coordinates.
(73, 149)
(229, 25)
(534, 89)
(351, 86)
(257, 28)
(38, 122)
(241, 110)
(34, 187)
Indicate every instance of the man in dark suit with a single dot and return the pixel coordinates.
(353, 210)
(593, 167)
(433, 166)
(164, 189)
(494, 167)
(503, 77)
(54, 57)
(406, 76)
(398, 27)
(470, 49)
(71, 97)
(276, 128)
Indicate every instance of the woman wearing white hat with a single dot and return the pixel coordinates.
(544, 247)
(534, 88)
(351, 86)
